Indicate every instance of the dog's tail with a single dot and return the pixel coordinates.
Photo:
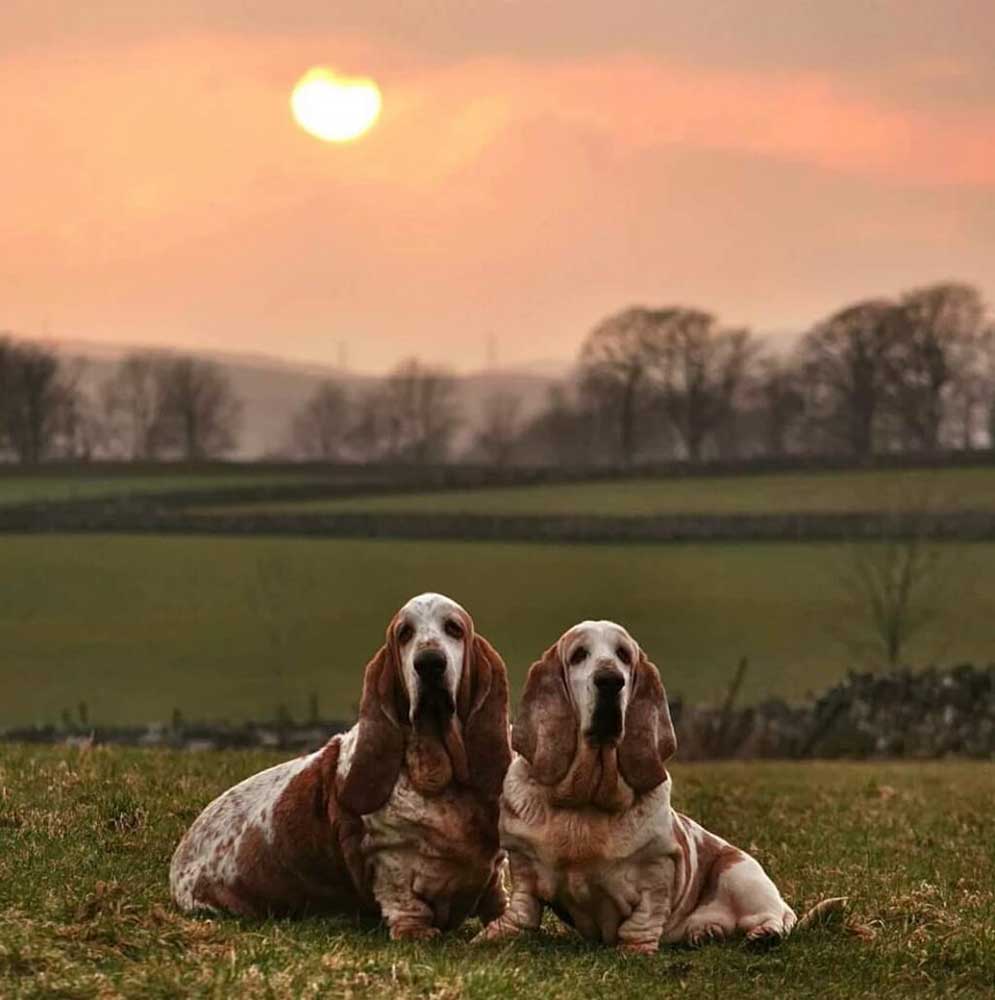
(822, 913)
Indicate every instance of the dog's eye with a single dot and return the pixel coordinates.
(454, 629)
(623, 654)
(404, 634)
(578, 655)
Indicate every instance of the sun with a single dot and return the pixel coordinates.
(335, 108)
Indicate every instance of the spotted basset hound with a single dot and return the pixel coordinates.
(397, 817)
(586, 817)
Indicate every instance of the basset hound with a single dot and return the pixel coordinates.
(586, 816)
(397, 817)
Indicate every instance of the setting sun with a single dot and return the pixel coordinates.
(335, 108)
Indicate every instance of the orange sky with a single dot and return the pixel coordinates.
(537, 165)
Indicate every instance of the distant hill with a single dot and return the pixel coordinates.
(271, 389)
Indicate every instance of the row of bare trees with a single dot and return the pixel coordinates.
(158, 406)
(153, 406)
(914, 374)
(411, 415)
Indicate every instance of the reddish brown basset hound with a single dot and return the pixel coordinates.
(399, 816)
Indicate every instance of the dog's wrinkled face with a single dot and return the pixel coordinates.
(431, 634)
(598, 658)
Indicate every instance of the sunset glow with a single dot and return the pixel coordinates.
(446, 170)
(334, 108)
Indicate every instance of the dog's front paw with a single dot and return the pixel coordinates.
(645, 947)
(502, 929)
(769, 929)
(413, 932)
(704, 933)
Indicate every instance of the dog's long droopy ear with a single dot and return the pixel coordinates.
(483, 709)
(380, 739)
(545, 732)
(649, 740)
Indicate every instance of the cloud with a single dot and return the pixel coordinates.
(800, 116)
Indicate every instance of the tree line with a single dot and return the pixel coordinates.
(914, 374)
(910, 374)
(154, 406)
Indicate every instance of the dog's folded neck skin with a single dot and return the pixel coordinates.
(593, 781)
(435, 754)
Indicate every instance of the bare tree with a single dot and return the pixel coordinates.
(321, 428)
(133, 404)
(988, 379)
(849, 363)
(564, 433)
(968, 408)
(897, 586)
(781, 404)
(34, 402)
(81, 431)
(940, 329)
(616, 364)
(419, 412)
(7, 362)
(369, 432)
(703, 370)
(499, 429)
(893, 590)
(199, 412)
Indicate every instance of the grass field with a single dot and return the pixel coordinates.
(232, 628)
(941, 489)
(16, 489)
(85, 841)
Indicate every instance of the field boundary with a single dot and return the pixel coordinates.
(925, 714)
(151, 518)
(490, 475)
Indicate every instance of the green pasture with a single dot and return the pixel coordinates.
(17, 489)
(235, 627)
(829, 492)
(86, 837)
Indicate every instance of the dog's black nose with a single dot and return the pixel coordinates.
(430, 664)
(609, 682)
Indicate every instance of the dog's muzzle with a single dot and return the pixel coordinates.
(606, 719)
(434, 700)
(609, 683)
(430, 665)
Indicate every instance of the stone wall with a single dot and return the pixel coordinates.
(131, 518)
(929, 714)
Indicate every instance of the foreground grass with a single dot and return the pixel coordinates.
(233, 628)
(833, 492)
(85, 841)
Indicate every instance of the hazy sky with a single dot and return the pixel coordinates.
(538, 164)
